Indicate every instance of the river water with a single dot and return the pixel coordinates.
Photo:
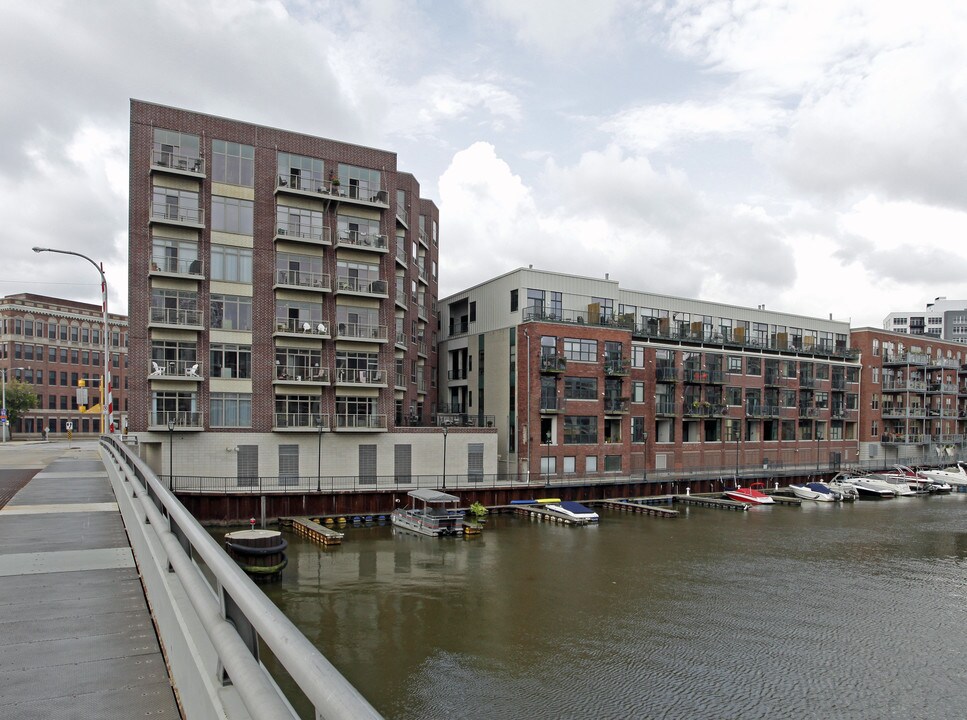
(824, 611)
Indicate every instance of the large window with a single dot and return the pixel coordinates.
(175, 149)
(580, 430)
(172, 204)
(175, 256)
(301, 173)
(299, 222)
(231, 361)
(231, 410)
(579, 388)
(361, 183)
(232, 215)
(231, 264)
(581, 350)
(231, 312)
(233, 163)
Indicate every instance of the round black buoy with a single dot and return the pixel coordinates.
(260, 553)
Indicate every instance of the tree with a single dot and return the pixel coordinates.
(20, 398)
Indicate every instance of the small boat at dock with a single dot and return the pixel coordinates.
(751, 494)
(574, 510)
(817, 491)
(431, 513)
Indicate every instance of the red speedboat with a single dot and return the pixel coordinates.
(749, 495)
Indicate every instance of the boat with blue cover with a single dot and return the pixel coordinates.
(573, 510)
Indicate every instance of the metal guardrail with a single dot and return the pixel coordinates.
(235, 614)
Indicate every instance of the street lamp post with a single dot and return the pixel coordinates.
(3, 428)
(444, 457)
(171, 452)
(107, 401)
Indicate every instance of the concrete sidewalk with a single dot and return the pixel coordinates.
(76, 636)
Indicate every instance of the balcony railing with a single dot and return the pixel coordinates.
(177, 215)
(553, 363)
(293, 326)
(616, 407)
(905, 386)
(176, 266)
(361, 286)
(183, 419)
(361, 331)
(308, 422)
(666, 373)
(175, 369)
(616, 367)
(175, 316)
(905, 359)
(360, 422)
(401, 295)
(348, 376)
(301, 374)
(551, 404)
(303, 184)
(361, 240)
(665, 407)
(301, 231)
(457, 374)
(303, 279)
(182, 164)
(401, 252)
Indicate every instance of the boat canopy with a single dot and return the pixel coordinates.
(432, 496)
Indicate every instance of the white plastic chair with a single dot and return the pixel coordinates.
(192, 371)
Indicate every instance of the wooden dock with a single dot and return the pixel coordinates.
(312, 530)
(639, 506)
(711, 502)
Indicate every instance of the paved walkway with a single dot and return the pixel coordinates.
(76, 637)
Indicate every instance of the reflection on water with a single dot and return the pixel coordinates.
(847, 611)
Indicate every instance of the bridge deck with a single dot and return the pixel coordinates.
(76, 636)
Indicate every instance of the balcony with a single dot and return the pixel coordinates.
(302, 280)
(403, 216)
(616, 406)
(170, 214)
(360, 286)
(294, 327)
(457, 374)
(175, 164)
(401, 295)
(666, 373)
(359, 195)
(553, 364)
(301, 232)
(906, 359)
(401, 340)
(300, 422)
(706, 409)
(175, 318)
(616, 368)
(361, 378)
(401, 252)
(184, 420)
(165, 265)
(897, 412)
(300, 375)
(362, 241)
(665, 407)
(360, 423)
(551, 404)
(917, 386)
(189, 370)
(890, 438)
(424, 238)
(361, 331)
(306, 186)
(463, 420)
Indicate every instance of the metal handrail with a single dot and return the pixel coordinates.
(331, 695)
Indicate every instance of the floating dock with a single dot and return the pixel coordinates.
(639, 506)
(312, 530)
(712, 502)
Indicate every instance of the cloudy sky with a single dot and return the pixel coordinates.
(810, 155)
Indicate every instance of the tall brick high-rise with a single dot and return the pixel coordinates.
(282, 289)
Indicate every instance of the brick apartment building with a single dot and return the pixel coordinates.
(53, 344)
(586, 379)
(282, 298)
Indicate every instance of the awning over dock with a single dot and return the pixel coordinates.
(432, 496)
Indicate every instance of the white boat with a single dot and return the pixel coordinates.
(431, 513)
(899, 478)
(574, 510)
(953, 475)
(843, 484)
(872, 486)
(818, 491)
